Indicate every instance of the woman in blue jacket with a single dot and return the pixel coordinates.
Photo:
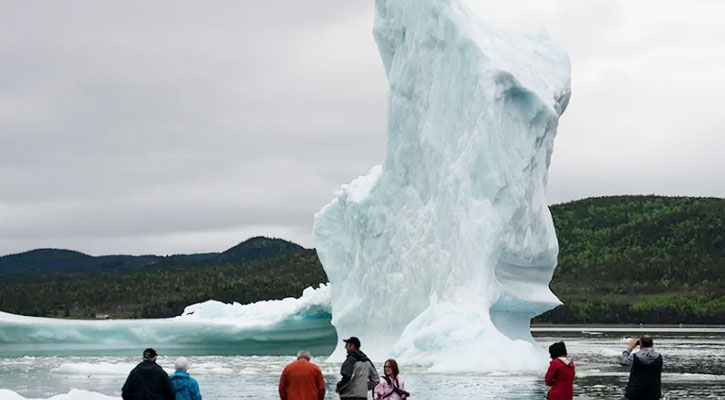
(186, 387)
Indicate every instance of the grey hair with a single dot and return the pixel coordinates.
(304, 354)
(181, 364)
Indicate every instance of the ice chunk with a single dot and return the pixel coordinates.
(74, 394)
(262, 328)
(94, 369)
(443, 254)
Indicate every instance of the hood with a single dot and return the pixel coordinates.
(648, 355)
(180, 380)
(147, 365)
(568, 362)
(357, 355)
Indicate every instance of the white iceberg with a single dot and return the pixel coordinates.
(443, 254)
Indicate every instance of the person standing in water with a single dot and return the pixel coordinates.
(358, 373)
(560, 375)
(186, 387)
(645, 370)
(148, 381)
(302, 380)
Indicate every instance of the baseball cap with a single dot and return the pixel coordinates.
(354, 341)
(149, 353)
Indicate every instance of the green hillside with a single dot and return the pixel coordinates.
(159, 291)
(638, 259)
(256, 269)
(623, 259)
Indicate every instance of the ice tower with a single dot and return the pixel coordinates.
(442, 254)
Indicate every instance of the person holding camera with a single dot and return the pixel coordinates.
(645, 370)
(391, 387)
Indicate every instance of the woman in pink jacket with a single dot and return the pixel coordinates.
(391, 387)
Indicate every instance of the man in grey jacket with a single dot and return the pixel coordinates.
(645, 370)
(358, 373)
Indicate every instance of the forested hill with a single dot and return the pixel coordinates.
(45, 261)
(623, 259)
(640, 258)
(258, 268)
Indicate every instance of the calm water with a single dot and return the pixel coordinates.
(694, 369)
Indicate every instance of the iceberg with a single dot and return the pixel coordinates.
(443, 254)
(275, 327)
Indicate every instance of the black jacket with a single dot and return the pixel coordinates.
(148, 381)
(645, 376)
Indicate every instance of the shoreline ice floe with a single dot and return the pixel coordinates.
(449, 245)
(74, 394)
(265, 327)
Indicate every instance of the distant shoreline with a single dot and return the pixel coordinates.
(662, 328)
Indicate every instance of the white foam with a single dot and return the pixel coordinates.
(93, 369)
(598, 373)
(249, 371)
(210, 368)
(692, 377)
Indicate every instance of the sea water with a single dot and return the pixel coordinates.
(694, 368)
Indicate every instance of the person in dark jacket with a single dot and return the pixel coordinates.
(358, 373)
(645, 370)
(148, 381)
(186, 387)
(560, 375)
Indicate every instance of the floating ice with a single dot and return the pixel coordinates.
(74, 394)
(265, 327)
(443, 254)
(121, 369)
(94, 369)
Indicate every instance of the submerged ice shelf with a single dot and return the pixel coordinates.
(442, 254)
(262, 328)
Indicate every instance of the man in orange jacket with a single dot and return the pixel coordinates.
(302, 380)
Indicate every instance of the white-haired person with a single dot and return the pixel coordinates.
(186, 387)
(302, 380)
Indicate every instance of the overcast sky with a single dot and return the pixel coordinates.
(183, 126)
